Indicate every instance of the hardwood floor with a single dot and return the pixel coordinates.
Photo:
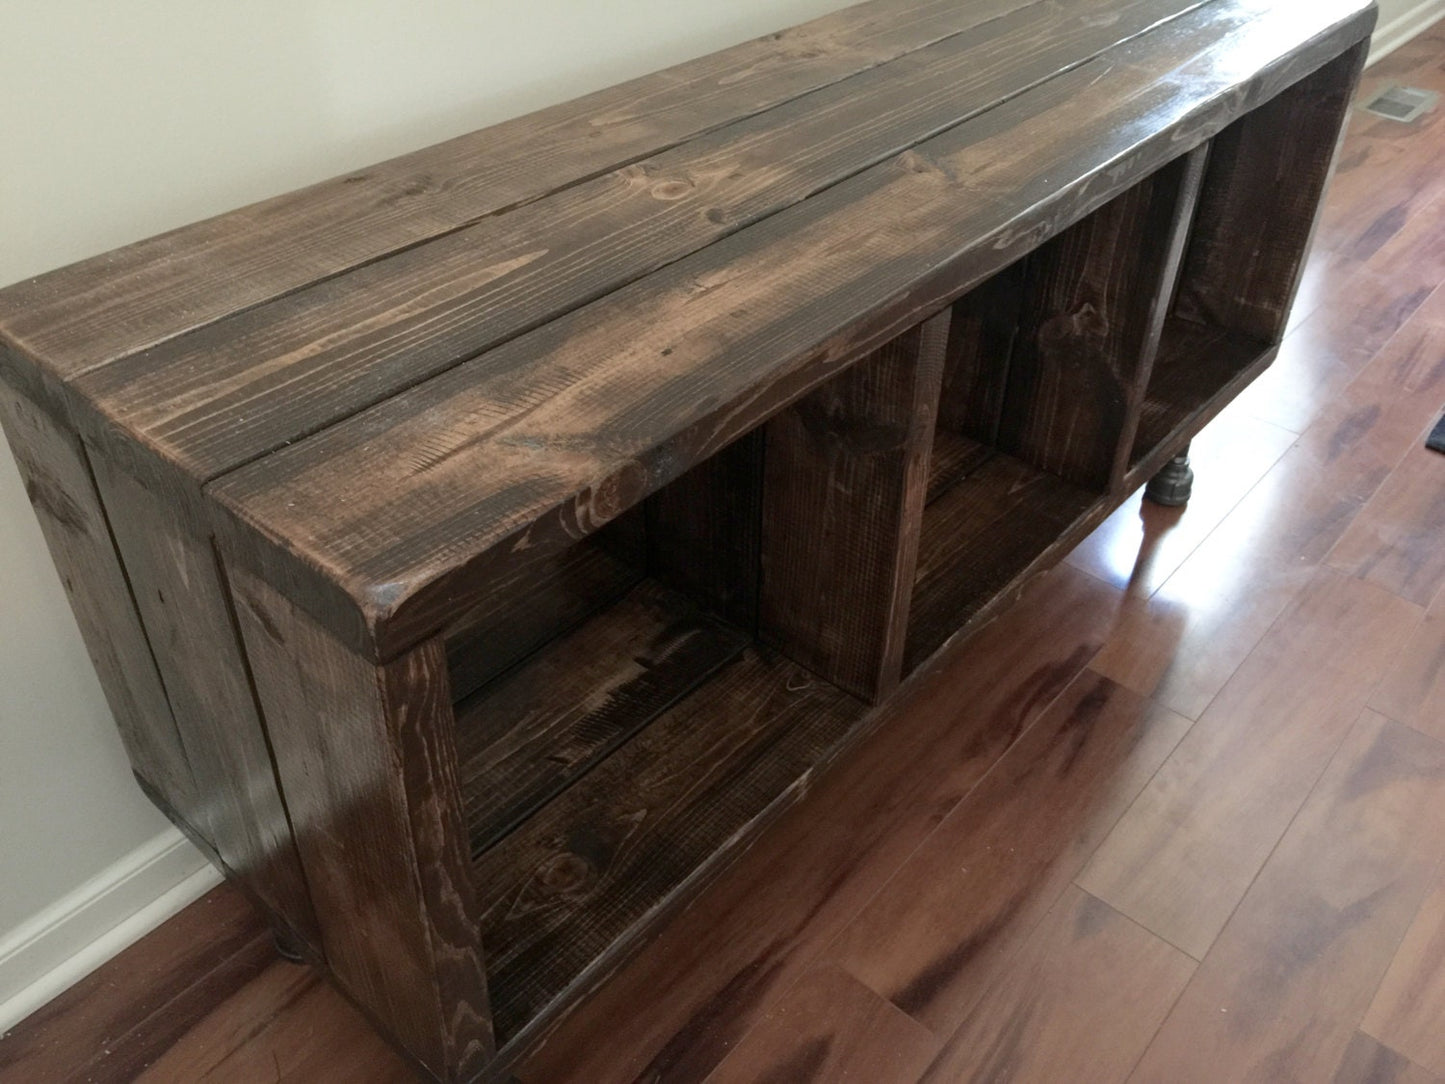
(1175, 817)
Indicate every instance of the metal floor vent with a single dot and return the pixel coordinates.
(1402, 103)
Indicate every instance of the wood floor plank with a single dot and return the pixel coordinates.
(942, 929)
(1396, 539)
(286, 1025)
(1080, 1003)
(712, 973)
(829, 1027)
(1409, 1005)
(1184, 854)
(1414, 690)
(124, 1015)
(1142, 544)
(1369, 1062)
(1182, 644)
(1280, 994)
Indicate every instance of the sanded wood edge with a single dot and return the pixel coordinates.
(368, 764)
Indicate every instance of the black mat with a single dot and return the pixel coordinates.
(1436, 439)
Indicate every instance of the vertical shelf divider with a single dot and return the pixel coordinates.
(1094, 304)
(846, 478)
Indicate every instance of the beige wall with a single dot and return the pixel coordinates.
(123, 119)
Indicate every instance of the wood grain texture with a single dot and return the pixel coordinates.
(953, 458)
(1093, 306)
(60, 486)
(1406, 1008)
(980, 538)
(169, 979)
(1193, 365)
(245, 386)
(1379, 547)
(937, 937)
(829, 1026)
(535, 730)
(1178, 864)
(191, 277)
(185, 606)
(1080, 1002)
(368, 764)
(1267, 172)
(1405, 1011)
(562, 897)
(269, 1030)
(1280, 994)
(981, 335)
(690, 998)
(846, 477)
(1414, 690)
(715, 968)
(704, 531)
(674, 342)
(537, 602)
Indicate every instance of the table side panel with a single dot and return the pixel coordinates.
(368, 763)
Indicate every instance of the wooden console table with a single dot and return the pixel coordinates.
(477, 549)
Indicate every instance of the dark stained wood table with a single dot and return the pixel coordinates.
(477, 550)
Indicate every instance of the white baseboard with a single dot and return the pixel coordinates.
(83, 929)
(1403, 27)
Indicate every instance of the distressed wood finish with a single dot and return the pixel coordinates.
(185, 607)
(520, 526)
(1262, 196)
(847, 475)
(158, 289)
(60, 485)
(692, 376)
(530, 734)
(368, 761)
(1093, 305)
(653, 821)
(209, 402)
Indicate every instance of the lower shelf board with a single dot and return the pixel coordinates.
(647, 825)
(531, 732)
(953, 458)
(1194, 365)
(980, 535)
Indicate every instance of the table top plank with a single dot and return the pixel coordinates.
(156, 289)
(397, 513)
(231, 392)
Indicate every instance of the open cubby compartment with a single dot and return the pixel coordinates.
(1247, 246)
(1040, 390)
(629, 710)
